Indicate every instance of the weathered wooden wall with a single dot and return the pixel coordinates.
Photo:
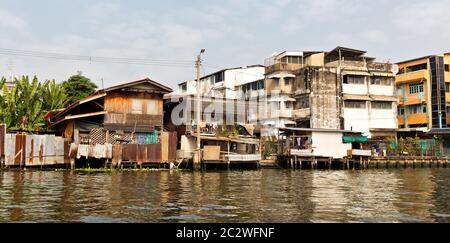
(120, 109)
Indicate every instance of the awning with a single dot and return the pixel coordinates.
(278, 76)
(355, 139)
(282, 99)
(357, 73)
(382, 74)
(356, 97)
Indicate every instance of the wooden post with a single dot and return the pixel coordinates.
(228, 158)
(330, 165)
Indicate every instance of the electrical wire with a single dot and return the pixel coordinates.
(98, 59)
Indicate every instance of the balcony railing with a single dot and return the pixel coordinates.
(302, 152)
(243, 157)
(283, 67)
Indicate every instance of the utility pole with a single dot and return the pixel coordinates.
(198, 157)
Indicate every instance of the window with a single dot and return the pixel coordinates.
(417, 109)
(399, 91)
(152, 107)
(447, 68)
(184, 88)
(380, 81)
(415, 88)
(349, 79)
(355, 104)
(287, 81)
(302, 103)
(136, 106)
(414, 68)
(401, 111)
(447, 87)
(381, 105)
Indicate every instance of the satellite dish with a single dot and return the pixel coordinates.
(395, 69)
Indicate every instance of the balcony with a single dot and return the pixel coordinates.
(412, 76)
(416, 99)
(283, 67)
(417, 119)
(302, 113)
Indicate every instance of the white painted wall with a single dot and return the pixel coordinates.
(357, 120)
(384, 118)
(358, 89)
(188, 145)
(384, 90)
(329, 144)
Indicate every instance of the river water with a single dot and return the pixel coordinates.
(268, 196)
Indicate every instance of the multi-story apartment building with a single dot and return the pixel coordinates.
(279, 88)
(345, 89)
(226, 83)
(423, 89)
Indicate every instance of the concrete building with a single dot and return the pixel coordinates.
(226, 83)
(279, 89)
(423, 86)
(344, 89)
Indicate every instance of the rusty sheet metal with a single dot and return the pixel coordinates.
(101, 151)
(10, 149)
(59, 149)
(49, 149)
(154, 153)
(142, 154)
(116, 154)
(20, 149)
(129, 152)
(173, 144)
(33, 143)
(2, 139)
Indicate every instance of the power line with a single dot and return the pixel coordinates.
(98, 59)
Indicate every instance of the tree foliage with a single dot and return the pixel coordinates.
(78, 87)
(24, 106)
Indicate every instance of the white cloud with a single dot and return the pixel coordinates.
(10, 21)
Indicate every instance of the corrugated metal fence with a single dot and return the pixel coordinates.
(23, 150)
(33, 150)
(162, 152)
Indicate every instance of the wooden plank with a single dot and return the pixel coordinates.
(117, 154)
(66, 152)
(173, 144)
(20, 150)
(129, 152)
(86, 115)
(164, 147)
(211, 153)
(2, 139)
(142, 154)
(154, 154)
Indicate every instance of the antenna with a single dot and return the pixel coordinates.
(103, 86)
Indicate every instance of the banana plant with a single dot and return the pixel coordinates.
(23, 107)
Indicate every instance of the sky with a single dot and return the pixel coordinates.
(233, 32)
